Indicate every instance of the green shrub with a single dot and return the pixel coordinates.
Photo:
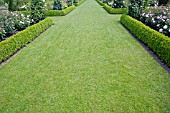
(59, 12)
(9, 46)
(111, 10)
(37, 12)
(101, 3)
(69, 9)
(58, 5)
(158, 42)
(115, 10)
(118, 4)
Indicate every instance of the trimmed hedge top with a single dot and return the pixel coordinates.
(158, 42)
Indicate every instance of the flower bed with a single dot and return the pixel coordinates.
(157, 18)
(158, 42)
(11, 22)
(11, 45)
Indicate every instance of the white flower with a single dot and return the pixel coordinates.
(43, 0)
(165, 27)
(169, 30)
(21, 22)
(22, 15)
(147, 15)
(160, 30)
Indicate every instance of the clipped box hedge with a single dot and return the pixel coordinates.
(11, 45)
(111, 10)
(59, 12)
(158, 42)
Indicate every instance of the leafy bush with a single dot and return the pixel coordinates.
(161, 2)
(157, 18)
(111, 10)
(58, 5)
(11, 6)
(156, 41)
(37, 12)
(135, 8)
(21, 21)
(12, 22)
(119, 4)
(2, 33)
(69, 3)
(7, 22)
(59, 12)
(75, 1)
(9, 46)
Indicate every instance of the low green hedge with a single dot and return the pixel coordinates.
(59, 12)
(111, 10)
(158, 42)
(101, 3)
(54, 12)
(11, 45)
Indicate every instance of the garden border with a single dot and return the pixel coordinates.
(63, 12)
(111, 10)
(11, 45)
(157, 42)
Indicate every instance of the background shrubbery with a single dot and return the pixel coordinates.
(11, 22)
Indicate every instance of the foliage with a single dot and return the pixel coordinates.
(153, 3)
(2, 33)
(11, 22)
(59, 12)
(9, 46)
(21, 21)
(69, 3)
(111, 10)
(119, 4)
(158, 42)
(58, 5)
(11, 6)
(157, 18)
(37, 11)
(75, 1)
(7, 22)
(162, 2)
(135, 8)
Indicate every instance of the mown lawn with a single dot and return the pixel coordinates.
(86, 62)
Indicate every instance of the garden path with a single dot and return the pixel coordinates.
(85, 62)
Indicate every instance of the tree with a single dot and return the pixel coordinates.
(37, 11)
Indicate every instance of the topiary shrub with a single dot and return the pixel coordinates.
(37, 11)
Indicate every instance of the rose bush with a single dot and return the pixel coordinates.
(157, 18)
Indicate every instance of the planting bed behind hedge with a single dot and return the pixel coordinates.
(111, 10)
(9, 46)
(158, 42)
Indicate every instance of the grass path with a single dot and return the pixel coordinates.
(86, 62)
